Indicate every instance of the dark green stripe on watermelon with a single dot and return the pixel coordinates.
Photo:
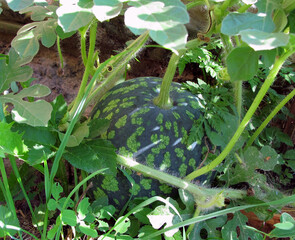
(150, 135)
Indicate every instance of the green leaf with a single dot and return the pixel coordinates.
(35, 113)
(71, 16)
(59, 109)
(163, 215)
(259, 40)
(80, 132)
(51, 233)
(123, 226)
(82, 208)
(10, 142)
(13, 71)
(239, 221)
(234, 23)
(56, 190)
(146, 230)
(211, 227)
(93, 155)
(164, 19)
(52, 205)
(106, 9)
(26, 43)
(7, 218)
(39, 141)
(68, 217)
(284, 229)
(87, 230)
(17, 5)
(290, 154)
(97, 127)
(268, 158)
(60, 32)
(242, 63)
(39, 13)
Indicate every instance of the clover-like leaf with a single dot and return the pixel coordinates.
(82, 208)
(164, 19)
(35, 113)
(69, 217)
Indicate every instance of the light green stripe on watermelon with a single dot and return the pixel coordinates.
(166, 162)
(168, 125)
(159, 118)
(184, 135)
(182, 170)
(109, 117)
(192, 162)
(132, 143)
(111, 134)
(150, 160)
(190, 115)
(121, 122)
(126, 104)
(110, 183)
(165, 189)
(146, 183)
(176, 115)
(175, 128)
(136, 121)
(135, 189)
(111, 105)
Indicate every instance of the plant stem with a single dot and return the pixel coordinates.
(118, 65)
(163, 100)
(87, 71)
(7, 192)
(2, 115)
(200, 193)
(59, 52)
(16, 172)
(269, 118)
(266, 85)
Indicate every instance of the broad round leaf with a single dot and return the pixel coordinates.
(259, 40)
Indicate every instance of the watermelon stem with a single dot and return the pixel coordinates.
(163, 100)
(202, 195)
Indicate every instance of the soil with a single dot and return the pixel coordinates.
(110, 38)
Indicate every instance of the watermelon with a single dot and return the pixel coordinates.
(148, 134)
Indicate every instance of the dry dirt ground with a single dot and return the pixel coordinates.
(66, 81)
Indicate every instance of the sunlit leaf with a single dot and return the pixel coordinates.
(259, 40)
(35, 113)
(106, 9)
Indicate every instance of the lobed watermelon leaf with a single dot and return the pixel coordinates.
(239, 221)
(26, 43)
(35, 113)
(93, 155)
